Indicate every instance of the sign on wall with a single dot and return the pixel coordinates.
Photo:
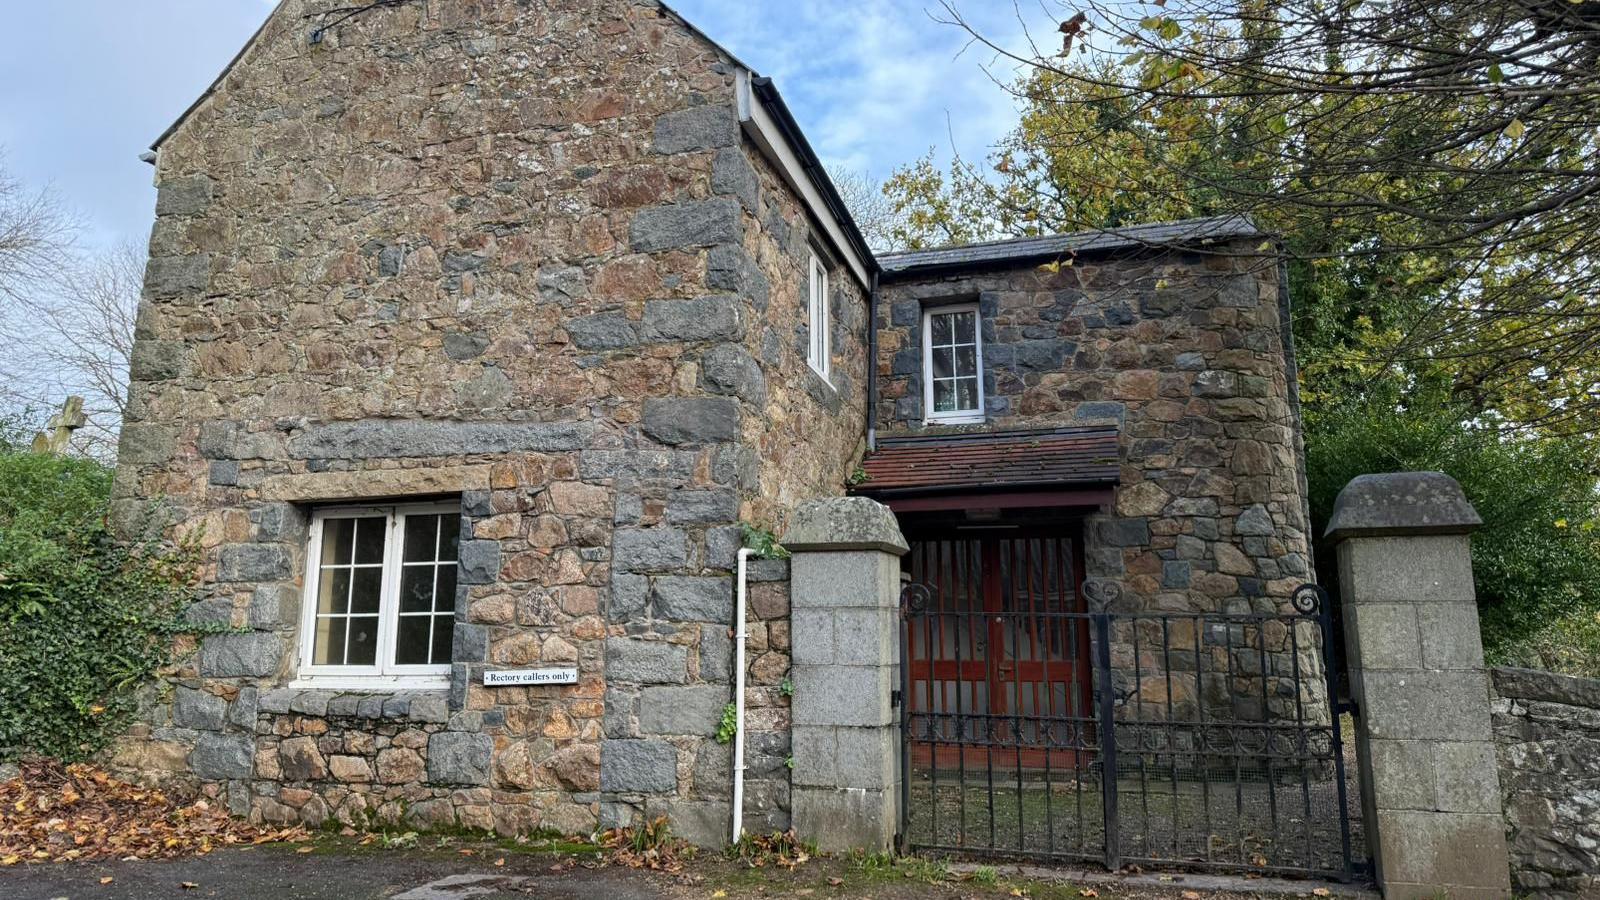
(517, 677)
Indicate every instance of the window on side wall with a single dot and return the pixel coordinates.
(380, 596)
(817, 317)
(952, 365)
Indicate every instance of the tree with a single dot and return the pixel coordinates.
(868, 205)
(1536, 559)
(66, 316)
(36, 234)
(1430, 165)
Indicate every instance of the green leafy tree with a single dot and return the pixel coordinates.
(85, 620)
(1430, 165)
(1536, 559)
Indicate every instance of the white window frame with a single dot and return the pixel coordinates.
(819, 350)
(954, 417)
(385, 674)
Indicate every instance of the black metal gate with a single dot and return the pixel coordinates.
(1040, 730)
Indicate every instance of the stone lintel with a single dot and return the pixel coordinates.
(1401, 503)
(375, 484)
(845, 523)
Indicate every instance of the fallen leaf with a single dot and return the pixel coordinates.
(501, 861)
(1088, 892)
(835, 881)
(1191, 895)
(305, 850)
(188, 885)
(107, 880)
(717, 895)
(1321, 892)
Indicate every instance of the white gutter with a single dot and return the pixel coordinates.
(764, 130)
(739, 636)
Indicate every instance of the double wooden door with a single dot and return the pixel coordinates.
(997, 648)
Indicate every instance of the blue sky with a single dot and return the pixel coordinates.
(86, 85)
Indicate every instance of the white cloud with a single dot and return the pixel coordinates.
(876, 83)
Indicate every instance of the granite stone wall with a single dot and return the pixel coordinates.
(1547, 728)
(516, 254)
(1185, 353)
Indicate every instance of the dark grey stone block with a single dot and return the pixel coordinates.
(603, 331)
(462, 346)
(697, 128)
(682, 226)
(730, 369)
(198, 710)
(730, 268)
(645, 662)
(157, 360)
(142, 444)
(702, 507)
(458, 758)
(715, 318)
(175, 276)
(657, 549)
(392, 439)
(184, 196)
(479, 562)
(220, 757)
(638, 767)
(686, 599)
(253, 655)
(691, 420)
(732, 175)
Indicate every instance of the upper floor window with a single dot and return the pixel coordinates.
(380, 595)
(952, 364)
(817, 318)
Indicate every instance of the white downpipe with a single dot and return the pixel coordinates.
(738, 699)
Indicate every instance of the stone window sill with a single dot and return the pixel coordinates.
(325, 702)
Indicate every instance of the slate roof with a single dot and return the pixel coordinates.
(1010, 460)
(1186, 232)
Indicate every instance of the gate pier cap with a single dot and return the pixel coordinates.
(1401, 503)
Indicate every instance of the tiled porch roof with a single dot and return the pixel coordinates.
(1011, 460)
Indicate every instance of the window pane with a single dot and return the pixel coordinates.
(338, 537)
(943, 362)
(367, 589)
(369, 541)
(967, 394)
(444, 628)
(333, 591)
(966, 327)
(944, 396)
(411, 644)
(445, 594)
(450, 541)
(966, 361)
(941, 328)
(416, 589)
(363, 641)
(422, 535)
(330, 642)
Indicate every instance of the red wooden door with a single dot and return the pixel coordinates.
(1000, 655)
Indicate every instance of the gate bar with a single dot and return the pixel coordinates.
(1108, 741)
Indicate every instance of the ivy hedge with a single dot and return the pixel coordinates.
(85, 620)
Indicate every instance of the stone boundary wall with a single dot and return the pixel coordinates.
(1547, 736)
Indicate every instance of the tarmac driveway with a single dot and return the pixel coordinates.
(267, 873)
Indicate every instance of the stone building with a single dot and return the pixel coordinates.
(477, 331)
